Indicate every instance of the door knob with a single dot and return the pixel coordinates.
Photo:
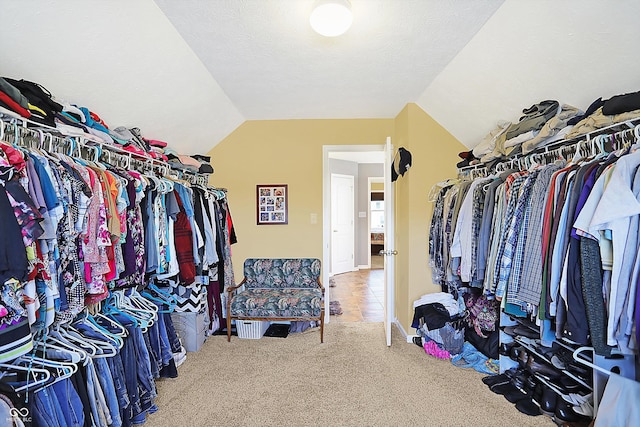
(389, 252)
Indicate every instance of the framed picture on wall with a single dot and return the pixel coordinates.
(272, 204)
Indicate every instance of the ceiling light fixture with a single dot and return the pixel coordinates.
(331, 18)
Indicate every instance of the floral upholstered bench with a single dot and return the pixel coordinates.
(277, 289)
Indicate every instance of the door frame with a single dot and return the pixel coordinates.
(326, 213)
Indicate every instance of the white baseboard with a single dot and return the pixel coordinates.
(364, 267)
(408, 337)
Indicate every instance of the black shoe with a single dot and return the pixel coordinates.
(505, 348)
(579, 370)
(547, 400)
(564, 412)
(503, 388)
(539, 367)
(528, 407)
(520, 379)
(521, 330)
(561, 359)
(569, 385)
(495, 379)
(515, 395)
(509, 391)
(516, 352)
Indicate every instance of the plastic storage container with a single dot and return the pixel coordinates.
(191, 328)
(251, 329)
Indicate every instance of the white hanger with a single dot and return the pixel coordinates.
(62, 369)
(74, 338)
(103, 348)
(31, 371)
(109, 338)
(54, 338)
(75, 355)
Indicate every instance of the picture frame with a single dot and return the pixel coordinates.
(272, 204)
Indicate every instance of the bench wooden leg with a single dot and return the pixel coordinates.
(228, 327)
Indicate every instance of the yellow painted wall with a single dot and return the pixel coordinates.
(283, 152)
(403, 243)
(290, 152)
(434, 156)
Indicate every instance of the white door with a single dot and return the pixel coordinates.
(389, 250)
(342, 225)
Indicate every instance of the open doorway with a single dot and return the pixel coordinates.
(359, 292)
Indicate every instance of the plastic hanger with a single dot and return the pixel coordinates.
(55, 341)
(112, 338)
(74, 338)
(74, 355)
(107, 342)
(143, 316)
(161, 301)
(103, 348)
(169, 298)
(61, 370)
(112, 308)
(106, 321)
(141, 302)
(40, 376)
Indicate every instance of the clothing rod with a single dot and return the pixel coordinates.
(13, 128)
(81, 138)
(77, 143)
(632, 125)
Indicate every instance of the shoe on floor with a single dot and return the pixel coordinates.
(528, 407)
(495, 379)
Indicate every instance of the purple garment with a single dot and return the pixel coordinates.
(133, 247)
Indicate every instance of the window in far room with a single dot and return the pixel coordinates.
(377, 212)
(377, 216)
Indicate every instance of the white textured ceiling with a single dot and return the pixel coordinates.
(272, 65)
(123, 60)
(189, 72)
(572, 51)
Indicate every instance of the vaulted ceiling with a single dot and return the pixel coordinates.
(189, 72)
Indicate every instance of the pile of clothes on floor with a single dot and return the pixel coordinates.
(462, 330)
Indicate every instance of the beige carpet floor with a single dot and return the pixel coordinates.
(353, 379)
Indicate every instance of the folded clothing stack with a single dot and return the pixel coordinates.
(195, 163)
(29, 100)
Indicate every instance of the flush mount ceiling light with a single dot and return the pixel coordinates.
(331, 18)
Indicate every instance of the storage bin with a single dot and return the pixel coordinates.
(251, 329)
(191, 328)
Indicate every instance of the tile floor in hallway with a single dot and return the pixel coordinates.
(361, 295)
